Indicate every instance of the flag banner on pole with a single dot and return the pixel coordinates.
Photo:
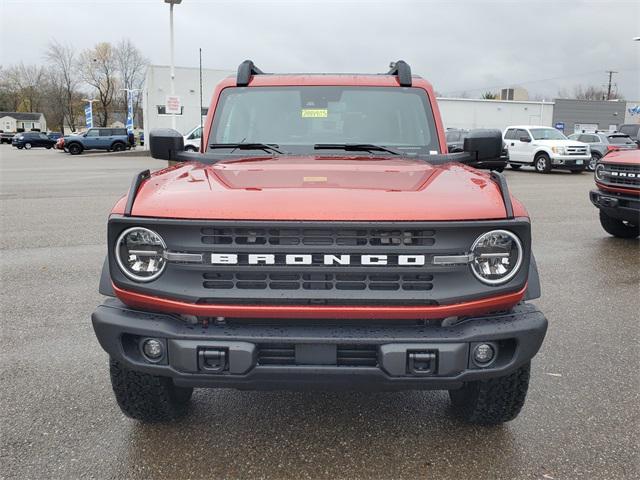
(88, 115)
(129, 112)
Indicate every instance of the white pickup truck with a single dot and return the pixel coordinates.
(544, 148)
(192, 139)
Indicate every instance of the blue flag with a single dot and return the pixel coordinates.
(88, 115)
(129, 112)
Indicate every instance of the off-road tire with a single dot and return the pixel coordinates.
(542, 163)
(515, 166)
(148, 398)
(618, 228)
(75, 149)
(493, 401)
(118, 147)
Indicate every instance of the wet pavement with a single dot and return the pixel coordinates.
(58, 417)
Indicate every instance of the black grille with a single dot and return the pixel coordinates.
(623, 175)
(317, 236)
(319, 281)
(346, 355)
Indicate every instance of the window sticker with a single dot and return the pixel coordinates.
(314, 113)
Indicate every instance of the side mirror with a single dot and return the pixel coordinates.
(165, 143)
(525, 139)
(483, 145)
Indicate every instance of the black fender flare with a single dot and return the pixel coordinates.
(533, 281)
(106, 287)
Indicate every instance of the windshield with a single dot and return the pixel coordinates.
(297, 118)
(547, 134)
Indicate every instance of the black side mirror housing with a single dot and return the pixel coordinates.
(525, 139)
(483, 145)
(165, 143)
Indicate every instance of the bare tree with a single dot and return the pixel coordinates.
(63, 73)
(9, 95)
(26, 82)
(131, 66)
(98, 69)
(591, 92)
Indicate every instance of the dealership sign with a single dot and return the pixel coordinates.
(172, 105)
(88, 115)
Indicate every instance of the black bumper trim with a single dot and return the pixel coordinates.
(616, 205)
(521, 332)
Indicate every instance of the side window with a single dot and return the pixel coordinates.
(106, 132)
(197, 133)
(585, 138)
(43, 136)
(93, 133)
(522, 134)
(511, 134)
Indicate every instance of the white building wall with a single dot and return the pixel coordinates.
(474, 113)
(187, 87)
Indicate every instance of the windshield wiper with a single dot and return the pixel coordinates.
(354, 147)
(267, 147)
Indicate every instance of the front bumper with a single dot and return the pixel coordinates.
(304, 354)
(617, 205)
(572, 162)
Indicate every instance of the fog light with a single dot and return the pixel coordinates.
(483, 353)
(152, 349)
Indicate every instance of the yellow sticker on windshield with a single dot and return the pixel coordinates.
(314, 113)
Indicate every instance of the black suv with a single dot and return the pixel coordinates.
(32, 139)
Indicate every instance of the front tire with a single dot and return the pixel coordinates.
(148, 398)
(27, 146)
(542, 163)
(618, 228)
(493, 401)
(75, 149)
(591, 166)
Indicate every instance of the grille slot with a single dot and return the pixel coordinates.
(317, 236)
(623, 175)
(276, 354)
(318, 281)
(357, 356)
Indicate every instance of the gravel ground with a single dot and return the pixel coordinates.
(58, 417)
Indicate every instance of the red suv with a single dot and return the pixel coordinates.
(324, 239)
(618, 194)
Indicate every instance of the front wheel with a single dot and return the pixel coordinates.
(618, 228)
(591, 166)
(27, 146)
(148, 398)
(493, 401)
(75, 149)
(542, 163)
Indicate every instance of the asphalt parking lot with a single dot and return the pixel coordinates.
(58, 417)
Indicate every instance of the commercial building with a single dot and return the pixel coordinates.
(574, 116)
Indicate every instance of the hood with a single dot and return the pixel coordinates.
(320, 188)
(624, 157)
(559, 143)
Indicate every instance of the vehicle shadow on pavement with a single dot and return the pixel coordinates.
(319, 435)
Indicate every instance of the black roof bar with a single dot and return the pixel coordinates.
(245, 70)
(402, 70)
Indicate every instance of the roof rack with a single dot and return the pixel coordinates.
(245, 70)
(402, 70)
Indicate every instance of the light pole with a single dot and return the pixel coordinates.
(172, 68)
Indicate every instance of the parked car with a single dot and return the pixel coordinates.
(54, 135)
(110, 139)
(544, 148)
(192, 140)
(6, 137)
(422, 288)
(602, 143)
(455, 139)
(29, 140)
(618, 193)
(631, 129)
(141, 139)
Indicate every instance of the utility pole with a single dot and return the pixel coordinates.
(610, 72)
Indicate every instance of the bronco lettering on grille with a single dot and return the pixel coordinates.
(308, 259)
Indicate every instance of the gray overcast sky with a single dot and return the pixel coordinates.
(458, 46)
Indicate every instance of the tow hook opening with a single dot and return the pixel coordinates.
(212, 360)
(421, 362)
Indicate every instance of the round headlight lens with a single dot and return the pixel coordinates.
(497, 256)
(600, 171)
(139, 254)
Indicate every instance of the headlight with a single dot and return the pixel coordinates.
(497, 256)
(600, 171)
(139, 253)
(558, 150)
